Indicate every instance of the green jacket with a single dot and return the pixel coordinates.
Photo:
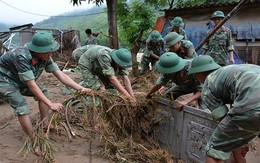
(18, 65)
(219, 44)
(238, 85)
(98, 60)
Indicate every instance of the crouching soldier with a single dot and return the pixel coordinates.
(19, 69)
(233, 84)
(153, 50)
(183, 48)
(175, 69)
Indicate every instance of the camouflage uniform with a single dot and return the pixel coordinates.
(77, 53)
(238, 85)
(91, 40)
(187, 50)
(95, 65)
(185, 83)
(180, 32)
(16, 67)
(219, 44)
(151, 48)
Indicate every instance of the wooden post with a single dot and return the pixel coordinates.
(112, 24)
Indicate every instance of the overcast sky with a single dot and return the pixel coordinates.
(18, 12)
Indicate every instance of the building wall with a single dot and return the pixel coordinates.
(245, 26)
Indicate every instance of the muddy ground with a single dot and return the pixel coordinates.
(12, 137)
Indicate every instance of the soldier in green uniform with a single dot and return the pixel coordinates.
(99, 66)
(153, 50)
(90, 38)
(77, 53)
(177, 26)
(233, 84)
(175, 69)
(220, 46)
(183, 48)
(19, 69)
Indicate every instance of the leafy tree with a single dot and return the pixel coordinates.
(136, 19)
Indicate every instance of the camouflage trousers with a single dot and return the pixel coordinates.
(232, 132)
(145, 64)
(10, 92)
(92, 81)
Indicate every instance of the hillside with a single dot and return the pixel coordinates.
(94, 18)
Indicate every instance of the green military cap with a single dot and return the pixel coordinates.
(172, 38)
(177, 21)
(203, 63)
(43, 42)
(122, 57)
(217, 14)
(170, 62)
(155, 36)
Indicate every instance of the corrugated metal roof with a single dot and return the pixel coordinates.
(185, 4)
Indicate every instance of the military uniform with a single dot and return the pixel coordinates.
(151, 48)
(95, 65)
(77, 53)
(219, 44)
(185, 83)
(238, 85)
(187, 50)
(16, 67)
(180, 32)
(91, 40)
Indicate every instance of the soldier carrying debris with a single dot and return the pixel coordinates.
(175, 69)
(233, 84)
(99, 66)
(19, 69)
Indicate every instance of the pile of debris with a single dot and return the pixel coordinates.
(128, 130)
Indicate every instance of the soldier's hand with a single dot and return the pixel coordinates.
(86, 91)
(56, 106)
(180, 105)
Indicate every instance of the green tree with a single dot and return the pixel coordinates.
(136, 19)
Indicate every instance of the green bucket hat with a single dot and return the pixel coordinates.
(43, 42)
(155, 36)
(122, 57)
(203, 63)
(217, 14)
(172, 38)
(170, 62)
(177, 21)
